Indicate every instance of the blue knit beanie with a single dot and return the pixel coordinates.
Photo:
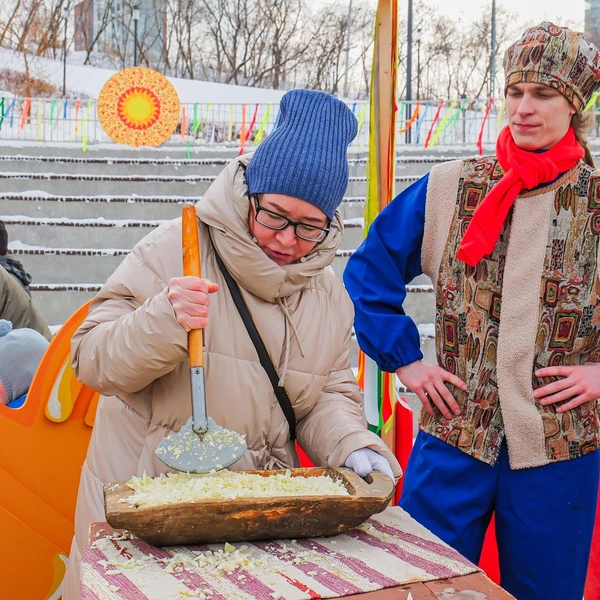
(306, 156)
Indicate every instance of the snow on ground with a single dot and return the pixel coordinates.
(89, 80)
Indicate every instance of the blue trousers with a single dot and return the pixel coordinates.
(544, 515)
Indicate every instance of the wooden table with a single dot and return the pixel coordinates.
(478, 584)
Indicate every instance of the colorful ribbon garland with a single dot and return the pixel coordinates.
(249, 131)
(442, 124)
(413, 118)
(276, 120)
(263, 124)
(591, 101)
(454, 118)
(195, 126)
(77, 107)
(11, 111)
(445, 120)
(25, 114)
(401, 112)
(420, 122)
(243, 129)
(52, 108)
(84, 136)
(183, 131)
(435, 118)
(361, 120)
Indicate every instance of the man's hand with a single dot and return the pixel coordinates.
(428, 383)
(189, 297)
(579, 384)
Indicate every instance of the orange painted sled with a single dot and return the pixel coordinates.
(42, 448)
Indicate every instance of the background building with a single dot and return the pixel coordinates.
(109, 27)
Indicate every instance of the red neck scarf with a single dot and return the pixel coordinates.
(523, 170)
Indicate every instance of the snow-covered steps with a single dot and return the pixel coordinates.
(160, 165)
(41, 204)
(117, 165)
(77, 184)
(426, 331)
(74, 184)
(53, 232)
(73, 217)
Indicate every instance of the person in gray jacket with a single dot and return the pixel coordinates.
(18, 308)
(12, 265)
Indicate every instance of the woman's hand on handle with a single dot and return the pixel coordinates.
(190, 299)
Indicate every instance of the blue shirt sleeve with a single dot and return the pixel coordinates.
(376, 276)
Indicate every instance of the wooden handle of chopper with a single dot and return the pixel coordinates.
(191, 266)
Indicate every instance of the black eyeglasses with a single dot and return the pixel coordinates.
(273, 220)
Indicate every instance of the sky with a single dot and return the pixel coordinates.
(528, 12)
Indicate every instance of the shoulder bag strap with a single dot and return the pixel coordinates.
(263, 355)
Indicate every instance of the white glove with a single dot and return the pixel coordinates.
(365, 460)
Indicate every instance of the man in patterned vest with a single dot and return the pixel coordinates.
(510, 418)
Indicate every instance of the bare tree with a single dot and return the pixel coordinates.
(455, 55)
(270, 43)
(49, 28)
(361, 48)
(182, 20)
(9, 16)
(283, 43)
(323, 67)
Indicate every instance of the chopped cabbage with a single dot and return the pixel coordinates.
(226, 485)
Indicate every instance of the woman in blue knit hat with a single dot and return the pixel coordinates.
(272, 219)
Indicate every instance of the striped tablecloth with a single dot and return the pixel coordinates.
(388, 550)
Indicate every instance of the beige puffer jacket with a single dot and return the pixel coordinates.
(132, 349)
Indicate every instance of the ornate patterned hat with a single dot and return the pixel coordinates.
(557, 57)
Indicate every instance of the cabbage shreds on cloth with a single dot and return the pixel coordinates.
(223, 485)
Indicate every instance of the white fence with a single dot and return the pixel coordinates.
(423, 124)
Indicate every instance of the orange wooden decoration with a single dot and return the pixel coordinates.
(192, 267)
(43, 446)
(138, 107)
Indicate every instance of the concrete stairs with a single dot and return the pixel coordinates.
(73, 217)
